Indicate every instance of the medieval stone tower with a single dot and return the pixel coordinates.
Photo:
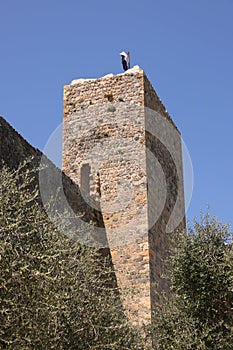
(123, 149)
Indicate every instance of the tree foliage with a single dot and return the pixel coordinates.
(53, 293)
(199, 313)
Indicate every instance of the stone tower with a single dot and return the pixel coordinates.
(123, 149)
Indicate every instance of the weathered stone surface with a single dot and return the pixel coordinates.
(123, 149)
(14, 149)
(120, 128)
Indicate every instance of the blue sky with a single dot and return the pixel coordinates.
(185, 48)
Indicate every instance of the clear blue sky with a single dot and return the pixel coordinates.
(185, 47)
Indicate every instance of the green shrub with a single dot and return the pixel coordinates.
(53, 293)
(199, 314)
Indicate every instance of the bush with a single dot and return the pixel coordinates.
(53, 293)
(199, 314)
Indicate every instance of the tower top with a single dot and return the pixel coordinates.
(132, 86)
(135, 69)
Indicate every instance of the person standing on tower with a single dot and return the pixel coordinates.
(125, 59)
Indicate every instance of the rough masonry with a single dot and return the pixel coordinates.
(53, 185)
(123, 149)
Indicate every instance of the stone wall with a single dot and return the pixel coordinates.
(14, 149)
(54, 186)
(122, 181)
(117, 127)
(166, 208)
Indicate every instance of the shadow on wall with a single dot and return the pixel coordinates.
(14, 150)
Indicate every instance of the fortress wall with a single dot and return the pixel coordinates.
(104, 127)
(14, 150)
(122, 179)
(166, 207)
(110, 125)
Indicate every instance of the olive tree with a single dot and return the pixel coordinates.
(53, 293)
(199, 312)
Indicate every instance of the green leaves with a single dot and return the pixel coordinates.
(56, 294)
(53, 292)
(200, 313)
